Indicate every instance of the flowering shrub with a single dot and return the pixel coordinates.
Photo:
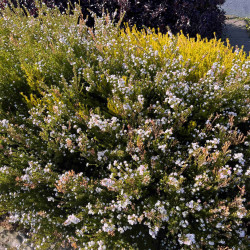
(120, 139)
(191, 16)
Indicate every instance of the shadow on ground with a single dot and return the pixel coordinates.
(235, 31)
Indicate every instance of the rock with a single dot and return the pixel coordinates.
(10, 239)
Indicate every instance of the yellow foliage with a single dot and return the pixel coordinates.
(199, 52)
(33, 76)
(32, 100)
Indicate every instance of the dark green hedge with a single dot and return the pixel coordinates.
(191, 16)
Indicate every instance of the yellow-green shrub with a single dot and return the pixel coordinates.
(116, 138)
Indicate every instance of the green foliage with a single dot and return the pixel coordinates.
(120, 139)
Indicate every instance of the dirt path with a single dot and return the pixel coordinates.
(236, 31)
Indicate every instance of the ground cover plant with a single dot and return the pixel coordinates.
(121, 139)
(191, 16)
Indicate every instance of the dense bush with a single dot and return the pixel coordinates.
(191, 16)
(120, 139)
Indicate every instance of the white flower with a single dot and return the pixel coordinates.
(248, 172)
(238, 156)
(162, 147)
(241, 214)
(98, 190)
(71, 219)
(5, 123)
(189, 239)
(126, 106)
(190, 204)
(132, 219)
(120, 230)
(51, 199)
(108, 228)
(101, 155)
(14, 218)
(64, 127)
(142, 169)
(242, 234)
(153, 233)
(91, 243)
(219, 225)
(140, 99)
(216, 86)
(185, 213)
(107, 182)
(135, 158)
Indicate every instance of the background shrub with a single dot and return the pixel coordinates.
(191, 16)
(248, 23)
(120, 138)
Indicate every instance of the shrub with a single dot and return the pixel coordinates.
(122, 139)
(191, 16)
(248, 23)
